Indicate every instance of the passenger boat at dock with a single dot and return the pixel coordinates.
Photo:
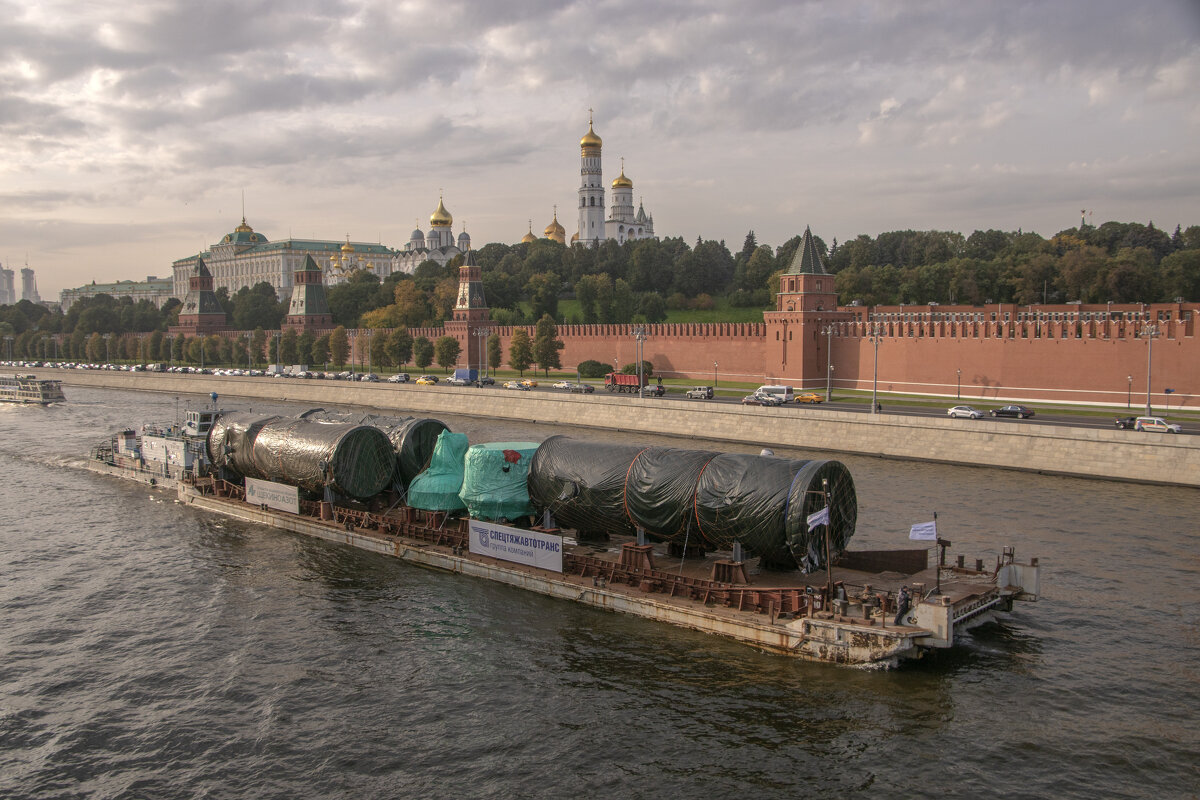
(16, 388)
(720, 543)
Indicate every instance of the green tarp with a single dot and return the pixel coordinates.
(495, 481)
(436, 489)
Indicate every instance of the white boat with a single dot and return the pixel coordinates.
(30, 389)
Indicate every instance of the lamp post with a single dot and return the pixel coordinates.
(875, 369)
(8, 340)
(1129, 394)
(249, 347)
(1150, 332)
(714, 377)
(639, 333)
(828, 331)
(370, 333)
(959, 371)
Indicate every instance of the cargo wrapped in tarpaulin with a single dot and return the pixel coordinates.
(697, 496)
(354, 460)
(495, 480)
(231, 439)
(437, 488)
(413, 438)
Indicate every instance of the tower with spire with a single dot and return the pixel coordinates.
(309, 308)
(591, 188)
(201, 312)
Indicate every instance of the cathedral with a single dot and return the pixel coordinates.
(623, 223)
(438, 245)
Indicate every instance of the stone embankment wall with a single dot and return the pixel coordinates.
(1097, 453)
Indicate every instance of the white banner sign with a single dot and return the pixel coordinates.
(273, 495)
(536, 549)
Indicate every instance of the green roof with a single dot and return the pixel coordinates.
(807, 260)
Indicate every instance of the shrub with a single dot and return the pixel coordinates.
(593, 369)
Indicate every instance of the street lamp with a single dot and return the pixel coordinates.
(959, 371)
(249, 343)
(828, 331)
(639, 333)
(370, 333)
(1150, 332)
(8, 340)
(1129, 394)
(875, 330)
(714, 377)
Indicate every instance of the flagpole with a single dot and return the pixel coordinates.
(937, 562)
(828, 561)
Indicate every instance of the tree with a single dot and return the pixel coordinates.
(257, 307)
(543, 293)
(422, 352)
(339, 346)
(287, 347)
(304, 348)
(95, 348)
(494, 354)
(320, 350)
(546, 344)
(446, 350)
(378, 347)
(258, 344)
(520, 351)
(399, 347)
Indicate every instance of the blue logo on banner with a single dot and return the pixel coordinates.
(483, 538)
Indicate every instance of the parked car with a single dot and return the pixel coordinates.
(964, 411)
(561, 385)
(1157, 424)
(516, 385)
(1020, 412)
(809, 397)
(399, 377)
(455, 380)
(529, 383)
(427, 380)
(700, 393)
(582, 388)
(757, 399)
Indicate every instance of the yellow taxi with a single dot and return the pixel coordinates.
(809, 397)
(529, 383)
(427, 380)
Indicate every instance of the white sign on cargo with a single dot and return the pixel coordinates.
(272, 495)
(542, 550)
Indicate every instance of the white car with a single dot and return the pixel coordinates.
(561, 385)
(1157, 424)
(964, 411)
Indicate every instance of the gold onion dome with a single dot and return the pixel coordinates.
(529, 237)
(590, 139)
(555, 228)
(622, 182)
(347, 247)
(441, 216)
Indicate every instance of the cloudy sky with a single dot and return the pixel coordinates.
(130, 130)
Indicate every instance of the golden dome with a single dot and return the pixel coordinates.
(441, 216)
(529, 237)
(347, 247)
(622, 182)
(575, 238)
(555, 230)
(243, 228)
(590, 139)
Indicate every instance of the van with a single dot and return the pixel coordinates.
(785, 394)
(1156, 424)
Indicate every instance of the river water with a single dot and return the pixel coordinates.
(153, 651)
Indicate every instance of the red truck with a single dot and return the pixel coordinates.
(621, 382)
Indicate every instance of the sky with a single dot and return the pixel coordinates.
(131, 131)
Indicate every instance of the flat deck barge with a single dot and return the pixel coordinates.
(785, 613)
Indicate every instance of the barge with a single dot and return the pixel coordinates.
(16, 388)
(851, 611)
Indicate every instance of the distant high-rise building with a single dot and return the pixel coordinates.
(29, 286)
(8, 292)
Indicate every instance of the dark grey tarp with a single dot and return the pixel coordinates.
(714, 499)
(413, 438)
(355, 460)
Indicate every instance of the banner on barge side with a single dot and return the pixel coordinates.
(279, 496)
(536, 549)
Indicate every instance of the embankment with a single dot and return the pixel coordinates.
(1087, 452)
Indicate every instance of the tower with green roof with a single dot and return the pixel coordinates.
(309, 308)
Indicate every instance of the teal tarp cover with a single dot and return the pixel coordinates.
(495, 484)
(436, 489)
